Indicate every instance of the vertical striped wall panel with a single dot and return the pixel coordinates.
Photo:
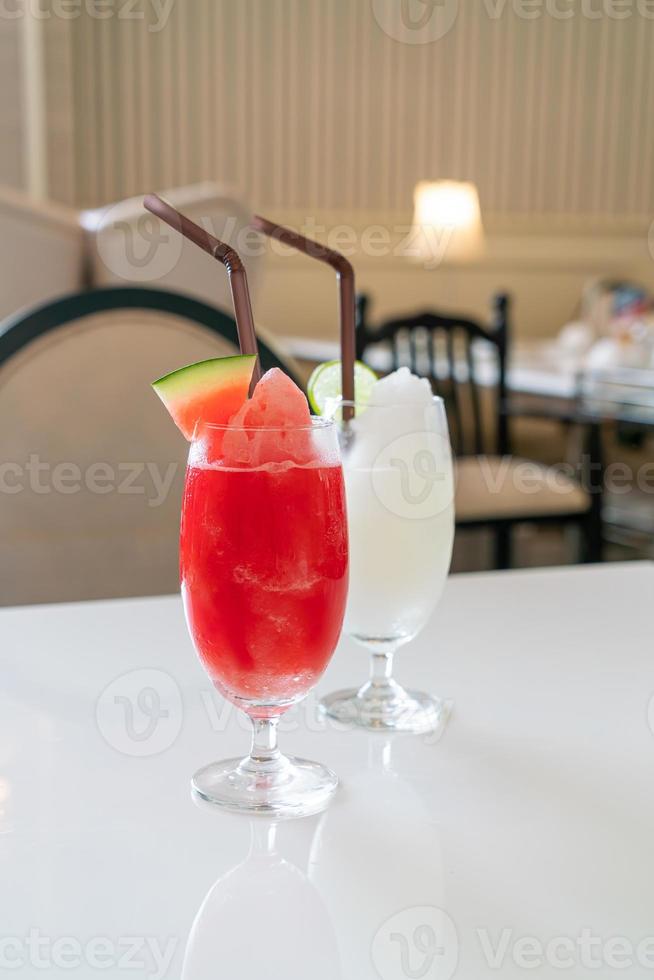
(12, 133)
(309, 103)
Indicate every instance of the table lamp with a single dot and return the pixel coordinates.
(446, 222)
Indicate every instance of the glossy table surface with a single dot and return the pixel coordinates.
(518, 842)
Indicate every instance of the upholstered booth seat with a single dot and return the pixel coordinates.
(90, 522)
(41, 251)
(91, 465)
(494, 487)
(129, 246)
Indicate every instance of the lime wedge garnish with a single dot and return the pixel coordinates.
(325, 384)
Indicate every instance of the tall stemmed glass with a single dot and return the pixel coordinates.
(264, 563)
(400, 499)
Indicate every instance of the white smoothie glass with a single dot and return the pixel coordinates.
(397, 462)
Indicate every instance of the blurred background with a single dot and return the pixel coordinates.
(486, 166)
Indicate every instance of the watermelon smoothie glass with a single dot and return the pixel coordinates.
(264, 562)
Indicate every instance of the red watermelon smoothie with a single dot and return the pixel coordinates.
(264, 556)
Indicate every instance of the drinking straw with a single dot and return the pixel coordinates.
(345, 276)
(238, 281)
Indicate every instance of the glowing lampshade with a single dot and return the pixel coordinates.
(446, 222)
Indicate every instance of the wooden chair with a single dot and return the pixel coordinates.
(494, 489)
(91, 467)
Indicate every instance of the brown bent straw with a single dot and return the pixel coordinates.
(238, 281)
(345, 275)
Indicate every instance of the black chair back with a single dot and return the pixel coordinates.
(446, 350)
(76, 398)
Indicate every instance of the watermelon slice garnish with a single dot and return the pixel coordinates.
(208, 391)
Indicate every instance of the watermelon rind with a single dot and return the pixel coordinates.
(203, 375)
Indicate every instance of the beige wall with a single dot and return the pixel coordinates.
(310, 108)
(543, 265)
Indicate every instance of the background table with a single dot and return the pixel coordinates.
(534, 367)
(531, 816)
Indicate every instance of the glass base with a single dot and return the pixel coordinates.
(288, 788)
(385, 707)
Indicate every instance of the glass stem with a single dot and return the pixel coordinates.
(381, 668)
(264, 753)
(381, 687)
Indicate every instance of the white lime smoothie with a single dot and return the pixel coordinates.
(400, 499)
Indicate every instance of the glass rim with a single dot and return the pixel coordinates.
(317, 422)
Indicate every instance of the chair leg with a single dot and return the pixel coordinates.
(503, 546)
(592, 523)
(592, 534)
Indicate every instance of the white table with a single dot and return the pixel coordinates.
(529, 821)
